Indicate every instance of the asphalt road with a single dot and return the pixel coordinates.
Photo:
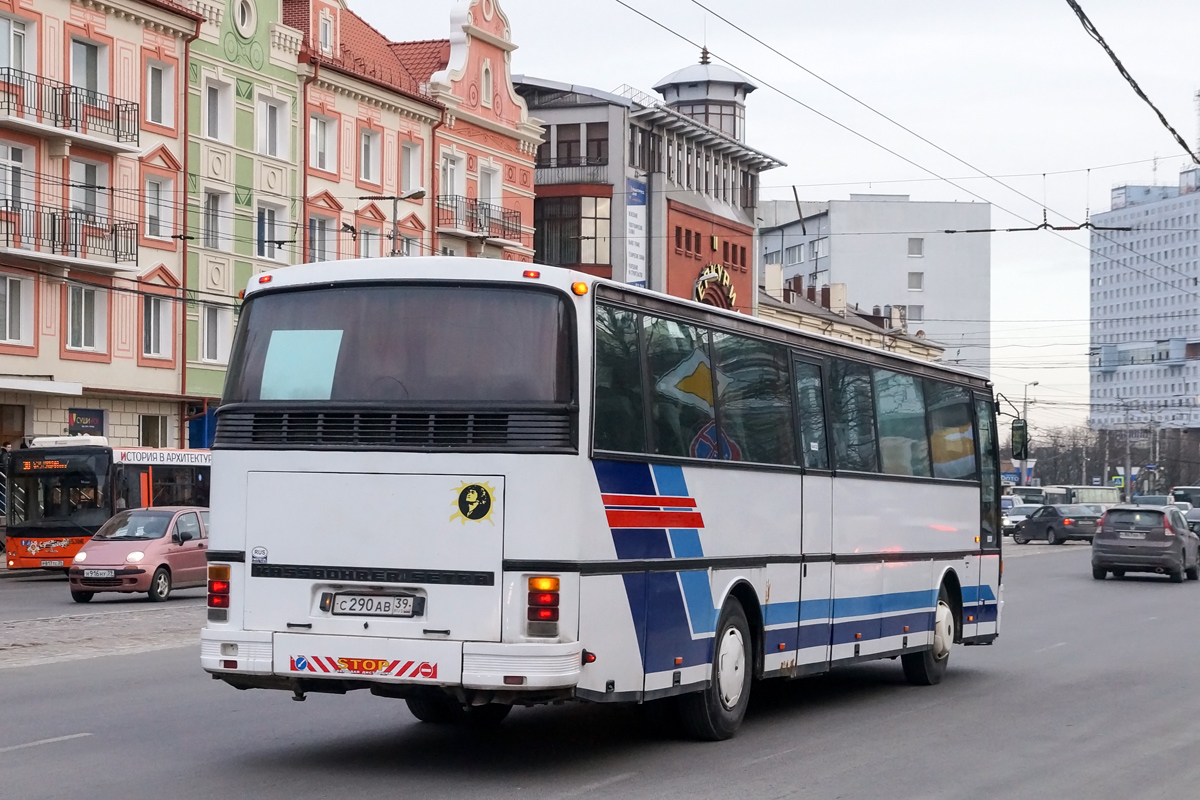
(38, 594)
(1089, 693)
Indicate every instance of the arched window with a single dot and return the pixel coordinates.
(486, 86)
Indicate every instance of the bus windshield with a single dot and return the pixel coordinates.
(403, 344)
(53, 490)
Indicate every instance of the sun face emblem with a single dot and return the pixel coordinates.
(474, 503)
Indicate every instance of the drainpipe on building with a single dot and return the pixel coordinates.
(316, 65)
(433, 182)
(187, 60)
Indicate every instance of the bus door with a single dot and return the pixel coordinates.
(987, 601)
(816, 506)
(133, 482)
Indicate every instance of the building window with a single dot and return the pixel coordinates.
(773, 257)
(85, 318)
(88, 69)
(16, 310)
(597, 142)
(410, 166)
(368, 164)
(453, 177)
(12, 43)
(216, 324)
(794, 254)
(156, 327)
(158, 207)
(218, 111)
(370, 243)
(486, 86)
(13, 176)
(678, 238)
(87, 196)
(567, 148)
(916, 247)
(152, 430)
(489, 185)
(319, 236)
(210, 220)
(269, 238)
(244, 18)
(916, 281)
(159, 94)
(323, 142)
(572, 230)
(326, 34)
(916, 313)
(410, 246)
(595, 223)
(272, 127)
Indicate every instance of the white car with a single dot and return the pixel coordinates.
(1010, 517)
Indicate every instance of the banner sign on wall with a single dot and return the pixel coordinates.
(635, 232)
(85, 421)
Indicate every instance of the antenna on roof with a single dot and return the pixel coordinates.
(704, 54)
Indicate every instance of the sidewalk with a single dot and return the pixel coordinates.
(70, 637)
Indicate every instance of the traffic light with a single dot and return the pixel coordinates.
(1020, 440)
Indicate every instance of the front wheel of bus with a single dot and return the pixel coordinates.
(716, 712)
(927, 667)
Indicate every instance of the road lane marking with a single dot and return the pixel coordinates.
(768, 758)
(1051, 647)
(588, 788)
(43, 741)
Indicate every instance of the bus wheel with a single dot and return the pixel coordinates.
(927, 667)
(716, 712)
(435, 707)
(487, 716)
(160, 585)
(82, 597)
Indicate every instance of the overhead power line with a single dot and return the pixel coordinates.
(1090, 27)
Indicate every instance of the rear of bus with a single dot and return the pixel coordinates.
(387, 438)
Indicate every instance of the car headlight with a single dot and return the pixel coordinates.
(135, 556)
(80, 556)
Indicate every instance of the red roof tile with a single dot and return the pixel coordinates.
(366, 51)
(423, 58)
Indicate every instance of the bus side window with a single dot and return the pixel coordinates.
(754, 403)
(989, 476)
(682, 389)
(900, 413)
(810, 407)
(852, 417)
(619, 410)
(951, 431)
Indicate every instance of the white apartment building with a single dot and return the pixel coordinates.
(891, 251)
(1145, 307)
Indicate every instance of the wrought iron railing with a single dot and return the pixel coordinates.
(78, 233)
(71, 108)
(575, 169)
(469, 214)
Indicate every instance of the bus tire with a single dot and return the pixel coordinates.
(716, 712)
(160, 585)
(435, 707)
(82, 597)
(488, 716)
(927, 667)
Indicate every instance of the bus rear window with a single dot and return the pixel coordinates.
(403, 344)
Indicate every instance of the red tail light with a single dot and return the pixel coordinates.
(542, 614)
(218, 601)
(1068, 521)
(218, 586)
(543, 598)
(1167, 529)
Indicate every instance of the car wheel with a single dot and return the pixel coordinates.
(435, 707)
(927, 667)
(1020, 538)
(715, 712)
(82, 597)
(1177, 574)
(1193, 572)
(1052, 537)
(1099, 574)
(160, 585)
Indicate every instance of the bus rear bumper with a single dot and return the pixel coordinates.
(530, 665)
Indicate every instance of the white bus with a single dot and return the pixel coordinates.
(471, 484)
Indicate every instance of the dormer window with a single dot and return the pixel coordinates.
(326, 34)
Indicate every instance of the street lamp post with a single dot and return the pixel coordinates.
(1025, 416)
(415, 194)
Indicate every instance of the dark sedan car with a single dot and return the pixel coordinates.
(1058, 523)
(1145, 539)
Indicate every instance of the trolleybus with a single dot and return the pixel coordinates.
(63, 488)
(473, 485)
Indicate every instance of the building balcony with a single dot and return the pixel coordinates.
(68, 238)
(470, 218)
(54, 110)
(579, 169)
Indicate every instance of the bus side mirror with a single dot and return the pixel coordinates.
(1020, 440)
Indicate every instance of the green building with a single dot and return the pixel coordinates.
(243, 176)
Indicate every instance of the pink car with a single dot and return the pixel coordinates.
(152, 550)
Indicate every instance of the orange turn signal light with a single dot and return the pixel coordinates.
(218, 572)
(543, 584)
(580, 288)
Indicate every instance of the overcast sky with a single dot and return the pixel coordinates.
(1013, 87)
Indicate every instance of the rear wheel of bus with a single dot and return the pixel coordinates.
(716, 712)
(439, 708)
(927, 667)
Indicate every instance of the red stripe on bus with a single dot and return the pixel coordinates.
(654, 519)
(319, 664)
(647, 500)
(404, 669)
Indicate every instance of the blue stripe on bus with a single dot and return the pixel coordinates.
(670, 481)
(971, 594)
(619, 477)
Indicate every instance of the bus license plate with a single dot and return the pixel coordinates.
(57, 563)
(99, 573)
(373, 605)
